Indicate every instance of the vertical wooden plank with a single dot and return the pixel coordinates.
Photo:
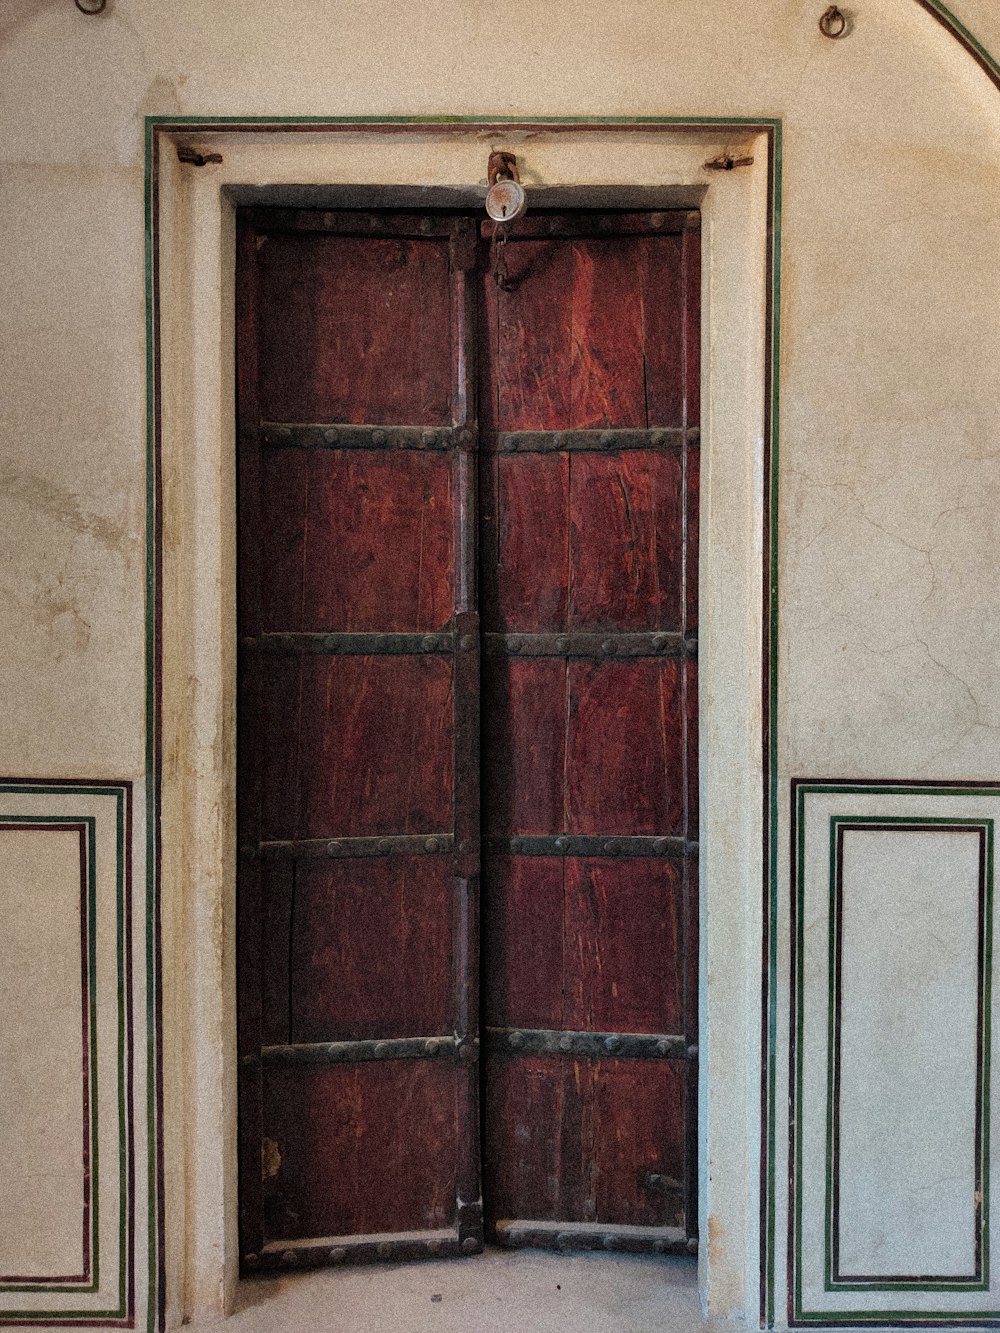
(608, 374)
(376, 746)
(285, 475)
(532, 504)
(663, 330)
(626, 526)
(525, 981)
(359, 1149)
(535, 1134)
(624, 950)
(278, 888)
(639, 1130)
(692, 465)
(537, 337)
(355, 329)
(466, 800)
(692, 326)
(370, 942)
(624, 762)
(525, 745)
(248, 896)
(380, 542)
(274, 729)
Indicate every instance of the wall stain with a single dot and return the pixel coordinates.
(62, 505)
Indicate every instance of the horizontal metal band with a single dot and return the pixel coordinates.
(362, 1052)
(353, 645)
(585, 844)
(514, 1234)
(311, 849)
(536, 226)
(391, 1246)
(619, 1045)
(586, 644)
(593, 441)
(339, 435)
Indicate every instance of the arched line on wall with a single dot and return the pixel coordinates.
(952, 24)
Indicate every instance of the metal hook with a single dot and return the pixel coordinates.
(833, 22)
(91, 6)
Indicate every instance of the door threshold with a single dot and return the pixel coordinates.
(522, 1233)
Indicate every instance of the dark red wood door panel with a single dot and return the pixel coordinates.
(358, 739)
(412, 440)
(589, 520)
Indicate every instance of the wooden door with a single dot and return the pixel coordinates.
(359, 768)
(358, 739)
(589, 471)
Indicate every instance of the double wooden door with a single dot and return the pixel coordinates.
(467, 733)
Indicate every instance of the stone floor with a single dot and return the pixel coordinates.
(499, 1292)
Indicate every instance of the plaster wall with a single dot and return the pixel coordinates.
(887, 473)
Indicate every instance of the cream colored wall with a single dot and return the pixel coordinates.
(889, 621)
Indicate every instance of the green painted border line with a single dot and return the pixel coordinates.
(77, 1288)
(770, 125)
(888, 1284)
(881, 1318)
(120, 1314)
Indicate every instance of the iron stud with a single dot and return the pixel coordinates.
(466, 643)
(656, 220)
(612, 848)
(692, 1245)
(515, 844)
(337, 1255)
(610, 1242)
(332, 848)
(608, 647)
(563, 1241)
(433, 1247)
(565, 1043)
(384, 846)
(692, 1051)
(429, 437)
(289, 1257)
(562, 643)
(660, 641)
(384, 1251)
(251, 1260)
(431, 845)
(514, 643)
(562, 844)
(378, 437)
(284, 433)
(607, 439)
(431, 1046)
(515, 1039)
(661, 845)
(470, 1245)
(663, 1048)
(613, 1043)
(330, 435)
(429, 643)
(559, 441)
(425, 225)
(381, 1050)
(468, 1052)
(507, 442)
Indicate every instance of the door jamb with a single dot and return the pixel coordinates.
(191, 665)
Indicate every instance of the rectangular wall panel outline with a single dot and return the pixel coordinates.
(822, 1292)
(978, 1280)
(103, 1292)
